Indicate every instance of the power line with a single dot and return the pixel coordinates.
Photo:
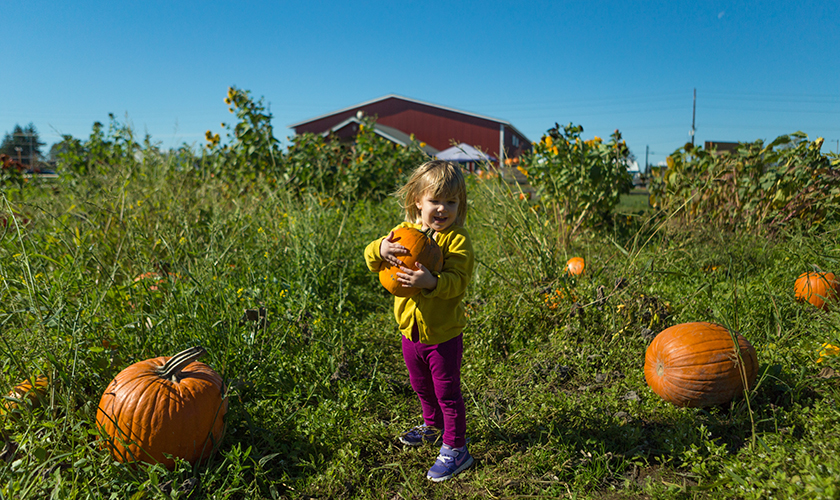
(775, 110)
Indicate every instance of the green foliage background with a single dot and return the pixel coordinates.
(580, 181)
(552, 376)
(755, 186)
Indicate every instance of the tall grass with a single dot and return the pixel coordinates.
(556, 399)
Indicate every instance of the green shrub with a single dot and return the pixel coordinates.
(756, 185)
(578, 181)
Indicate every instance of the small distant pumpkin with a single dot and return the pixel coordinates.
(153, 279)
(30, 392)
(817, 288)
(696, 365)
(575, 266)
(164, 406)
(423, 249)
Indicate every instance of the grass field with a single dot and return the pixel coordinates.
(636, 201)
(557, 404)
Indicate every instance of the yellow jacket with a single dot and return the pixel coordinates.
(439, 313)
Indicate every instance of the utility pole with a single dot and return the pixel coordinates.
(693, 112)
(647, 165)
(31, 157)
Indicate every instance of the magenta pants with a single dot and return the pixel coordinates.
(435, 374)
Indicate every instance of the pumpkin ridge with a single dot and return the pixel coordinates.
(140, 426)
(709, 376)
(698, 395)
(205, 413)
(700, 362)
(692, 360)
(126, 432)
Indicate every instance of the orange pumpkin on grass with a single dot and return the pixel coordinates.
(423, 249)
(30, 392)
(164, 406)
(696, 365)
(575, 266)
(817, 288)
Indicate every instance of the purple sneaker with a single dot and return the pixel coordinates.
(451, 461)
(420, 435)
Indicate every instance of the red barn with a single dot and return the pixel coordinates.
(440, 127)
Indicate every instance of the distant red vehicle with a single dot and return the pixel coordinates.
(7, 161)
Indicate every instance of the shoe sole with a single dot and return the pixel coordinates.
(457, 471)
(434, 440)
(410, 443)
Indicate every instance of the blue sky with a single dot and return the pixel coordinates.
(761, 69)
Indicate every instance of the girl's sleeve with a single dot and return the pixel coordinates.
(457, 269)
(372, 257)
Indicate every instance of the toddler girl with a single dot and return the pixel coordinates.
(432, 320)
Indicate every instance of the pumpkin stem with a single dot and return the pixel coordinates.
(173, 366)
(430, 233)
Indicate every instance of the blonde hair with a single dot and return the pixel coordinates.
(438, 179)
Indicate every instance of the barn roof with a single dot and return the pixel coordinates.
(389, 133)
(403, 98)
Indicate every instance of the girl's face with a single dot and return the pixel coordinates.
(437, 212)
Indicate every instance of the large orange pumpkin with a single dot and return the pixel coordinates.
(30, 392)
(424, 249)
(695, 364)
(164, 406)
(817, 288)
(575, 266)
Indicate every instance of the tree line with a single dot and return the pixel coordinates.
(23, 144)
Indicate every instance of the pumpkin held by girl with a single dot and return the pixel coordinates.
(422, 248)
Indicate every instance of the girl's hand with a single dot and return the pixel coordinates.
(389, 250)
(417, 278)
